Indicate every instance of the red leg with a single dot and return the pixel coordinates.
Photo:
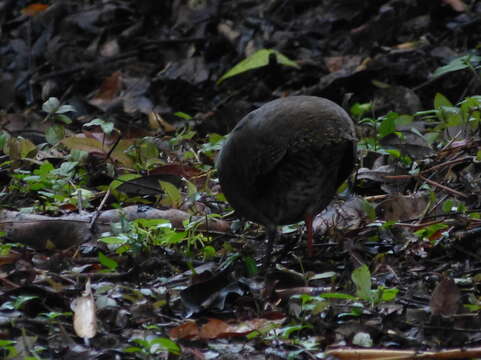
(310, 248)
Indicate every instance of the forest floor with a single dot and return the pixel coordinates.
(117, 242)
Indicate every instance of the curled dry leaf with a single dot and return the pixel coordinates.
(85, 319)
(342, 216)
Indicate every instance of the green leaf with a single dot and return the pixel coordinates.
(250, 264)
(192, 191)
(358, 110)
(456, 64)
(340, 296)
(324, 275)
(440, 100)
(447, 206)
(451, 116)
(44, 170)
(369, 209)
(388, 294)
(113, 240)
(64, 109)
(388, 125)
(107, 262)
(51, 105)
(174, 196)
(430, 230)
(289, 330)
(63, 119)
(209, 252)
(106, 126)
(361, 277)
(403, 120)
(258, 59)
(168, 345)
(6, 342)
(183, 115)
(23, 299)
(122, 179)
(66, 169)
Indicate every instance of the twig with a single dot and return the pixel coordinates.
(99, 208)
(441, 186)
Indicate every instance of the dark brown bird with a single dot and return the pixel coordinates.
(283, 162)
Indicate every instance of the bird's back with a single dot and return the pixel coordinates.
(286, 159)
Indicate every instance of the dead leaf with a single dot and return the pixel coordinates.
(95, 146)
(446, 298)
(34, 9)
(107, 96)
(216, 328)
(457, 5)
(337, 63)
(85, 319)
(400, 207)
(156, 121)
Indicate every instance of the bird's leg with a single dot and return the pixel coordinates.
(272, 236)
(310, 248)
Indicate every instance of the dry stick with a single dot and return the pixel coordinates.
(434, 168)
(422, 225)
(447, 163)
(441, 186)
(451, 141)
(432, 182)
(99, 208)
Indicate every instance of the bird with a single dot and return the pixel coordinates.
(283, 162)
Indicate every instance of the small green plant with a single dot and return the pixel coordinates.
(445, 115)
(361, 277)
(6, 247)
(454, 205)
(141, 235)
(151, 348)
(54, 187)
(383, 126)
(54, 315)
(56, 112)
(213, 144)
(146, 154)
(18, 303)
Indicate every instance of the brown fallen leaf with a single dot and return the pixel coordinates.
(216, 328)
(446, 298)
(457, 5)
